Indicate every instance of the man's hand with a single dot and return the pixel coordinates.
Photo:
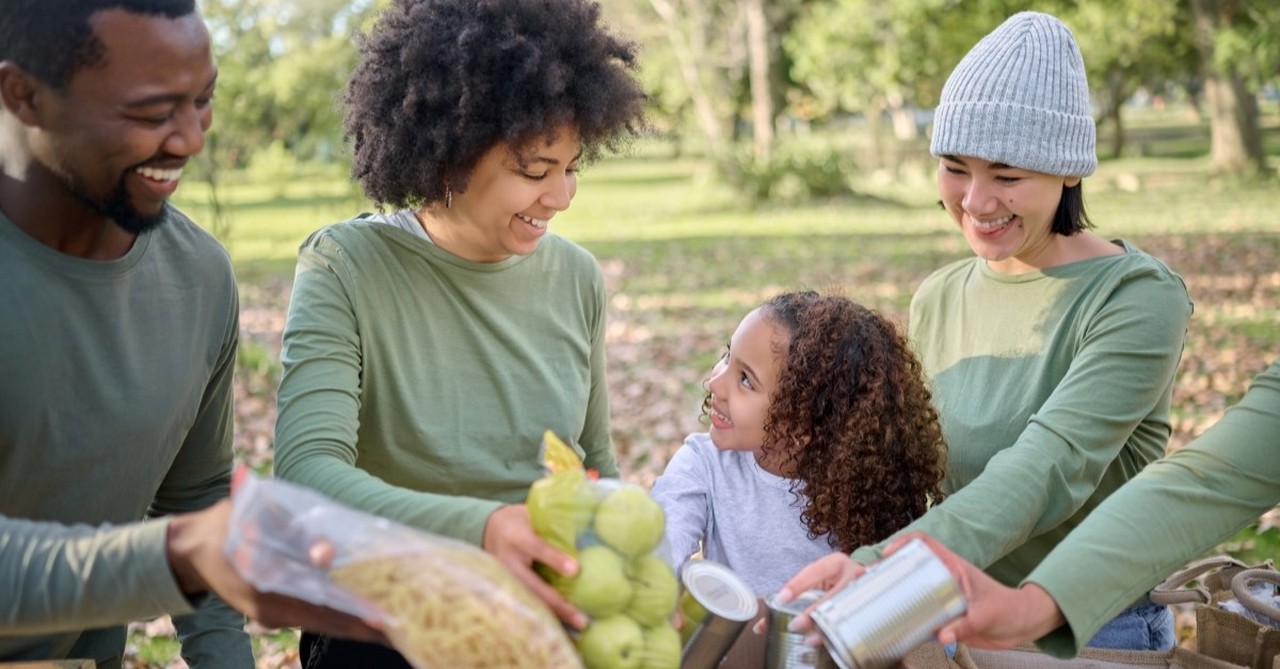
(998, 616)
(195, 548)
(509, 536)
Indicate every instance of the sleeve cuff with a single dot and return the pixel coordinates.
(150, 540)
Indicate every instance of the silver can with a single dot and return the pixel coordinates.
(898, 604)
(785, 649)
(718, 604)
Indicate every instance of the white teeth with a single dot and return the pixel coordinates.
(988, 226)
(721, 416)
(160, 175)
(538, 223)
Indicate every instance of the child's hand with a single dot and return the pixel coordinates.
(830, 573)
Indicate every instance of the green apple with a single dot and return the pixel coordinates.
(560, 508)
(654, 590)
(601, 588)
(662, 647)
(630, 521)
(615, 642)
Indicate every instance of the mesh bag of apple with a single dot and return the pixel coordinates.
(612, 528)
(442, 603)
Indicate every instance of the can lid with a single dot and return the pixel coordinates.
(796, 606)
(719, 590)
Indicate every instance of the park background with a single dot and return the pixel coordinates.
(787, 148)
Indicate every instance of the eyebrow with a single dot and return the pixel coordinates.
(552, 161)
(168, 98)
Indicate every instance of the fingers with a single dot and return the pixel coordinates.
(554, 601)
(321, 554)
(538, 550)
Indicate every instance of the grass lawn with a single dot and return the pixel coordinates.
(685, 259)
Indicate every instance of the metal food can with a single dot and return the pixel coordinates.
(785, 649)
(895, 606)
(716, 605)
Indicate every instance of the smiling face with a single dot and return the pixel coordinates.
(743, 381)
(118, 137)
(1006, 213)
(510, 199)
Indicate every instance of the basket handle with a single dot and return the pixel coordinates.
(1259, 605)
(1171, 590)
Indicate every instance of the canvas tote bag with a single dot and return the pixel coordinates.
(1222, 633)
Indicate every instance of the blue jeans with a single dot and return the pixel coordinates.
(1139, 627)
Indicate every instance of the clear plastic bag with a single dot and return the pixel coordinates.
(613, 529)
(443, 603)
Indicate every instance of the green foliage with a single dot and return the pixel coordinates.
(254, 359)
(274, 166)
(794, 173)
(1254, 544)
(153, 650)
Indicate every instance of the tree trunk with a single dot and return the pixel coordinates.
(688, 62)
(758, 71)
(1233, 115)
(1115, 101)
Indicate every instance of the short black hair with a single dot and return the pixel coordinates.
(1071, 218)
(440, 82)
(53, 40)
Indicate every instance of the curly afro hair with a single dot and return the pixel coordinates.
(852, 420)
(442, 81)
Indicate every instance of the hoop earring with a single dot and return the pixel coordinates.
(448, 197)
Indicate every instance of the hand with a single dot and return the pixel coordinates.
(830, 573)
(998, 616)
(509, 536)
(195, 549)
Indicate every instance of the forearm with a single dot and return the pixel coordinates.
(63, 578)
(1174, 511)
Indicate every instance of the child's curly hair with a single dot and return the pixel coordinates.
(440, 82)
(852, 420)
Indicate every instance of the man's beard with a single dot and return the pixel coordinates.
(117, 207)
(120, 210)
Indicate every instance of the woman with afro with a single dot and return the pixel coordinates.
(822, 438)
(429, 345)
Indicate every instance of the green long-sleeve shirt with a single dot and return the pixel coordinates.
(115, 405)
(1173, 512)
(102, 575)
(1053, 388)
(417, 385)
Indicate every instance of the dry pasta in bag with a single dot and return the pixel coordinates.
(443, 603)
(612, 528)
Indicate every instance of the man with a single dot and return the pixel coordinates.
(118, 315)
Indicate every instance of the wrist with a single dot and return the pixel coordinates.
(1039, 610)
(180, 551)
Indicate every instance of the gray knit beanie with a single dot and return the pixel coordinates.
(1020, 97)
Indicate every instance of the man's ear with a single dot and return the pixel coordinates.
(20, 92)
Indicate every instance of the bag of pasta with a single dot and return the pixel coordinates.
(612, 528)
(443, 603)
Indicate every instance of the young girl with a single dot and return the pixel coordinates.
(822, 438)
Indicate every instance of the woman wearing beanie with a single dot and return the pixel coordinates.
(1052, 351)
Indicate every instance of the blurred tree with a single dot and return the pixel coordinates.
(283, 65)
(1237, 42)
(1127, 45)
